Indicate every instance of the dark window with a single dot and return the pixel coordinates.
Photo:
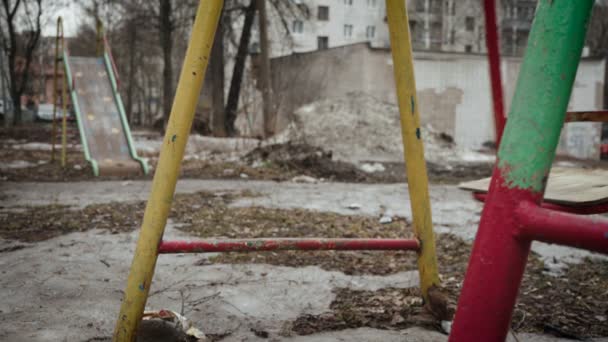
(322, 42)
(468, 48)
(469, 23)
(370, 31)
(435, 6)
(298, 26)
(323, 13)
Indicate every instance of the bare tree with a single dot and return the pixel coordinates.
(284, 10)
(19, 45)
(238, 70)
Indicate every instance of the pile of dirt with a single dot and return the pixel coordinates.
(304, 159)
(290, 159)
(387, 308)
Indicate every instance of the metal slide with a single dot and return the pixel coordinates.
(104, 130)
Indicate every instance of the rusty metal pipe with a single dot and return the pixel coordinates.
(285, 244)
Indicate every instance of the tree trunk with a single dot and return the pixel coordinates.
(216, 67)
(239, 68)
(166, 42)
(265, 70)
(131, 76)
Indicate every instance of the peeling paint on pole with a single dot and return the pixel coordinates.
(543, 89)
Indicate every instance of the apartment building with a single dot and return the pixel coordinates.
(436, 25)
(328, 24)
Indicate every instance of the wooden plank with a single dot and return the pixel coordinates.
(592, 116)
(566, 186)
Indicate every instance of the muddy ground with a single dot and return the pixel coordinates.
(67, 239)
(571, 304)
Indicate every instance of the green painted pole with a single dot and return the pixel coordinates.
(543, 92)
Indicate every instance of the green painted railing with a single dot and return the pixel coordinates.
(123, 115)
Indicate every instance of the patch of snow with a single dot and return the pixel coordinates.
(37, 146)
(372, 167)
(304, 179)
(17, 164)
(476, 157)
(358, 127)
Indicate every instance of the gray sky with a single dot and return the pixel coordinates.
(72, 17)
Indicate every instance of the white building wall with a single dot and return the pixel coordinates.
(361, 14)
(454, 91)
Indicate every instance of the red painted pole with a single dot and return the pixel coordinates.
(308, 244)
(492, 41)
(590, 233)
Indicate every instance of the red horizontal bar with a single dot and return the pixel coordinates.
(580, 210)
(592, 115)
(310, 244)
(539, 224)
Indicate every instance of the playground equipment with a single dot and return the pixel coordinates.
(514, 214)
(512, 218)
(150, 242)
(92, 83)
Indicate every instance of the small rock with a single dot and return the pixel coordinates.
(244, 176)
(386, 219)
(600, 318)
(354, 206)
(397, 318)
(446, 326)
(77, 167)
(304, 179)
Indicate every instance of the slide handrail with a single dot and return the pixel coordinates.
(79, 118)
(122, 113)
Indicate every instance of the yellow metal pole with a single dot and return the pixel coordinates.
(58, 39)
(165, 177)
(64, 121)
(412, 143)
(99, 46)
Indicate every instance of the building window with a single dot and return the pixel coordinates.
(453, 37)
(371, 3)
(348, 2)
(322, 43)
(348, 30)
(370, 32)
(468, 48)
(323, 13)
(298, 26)
(435, 6)
(413, 30)
(469, 23)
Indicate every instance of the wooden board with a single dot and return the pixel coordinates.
(566, 186)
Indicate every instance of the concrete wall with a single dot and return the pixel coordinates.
(453, 89)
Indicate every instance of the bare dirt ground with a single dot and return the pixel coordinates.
(86, 232)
